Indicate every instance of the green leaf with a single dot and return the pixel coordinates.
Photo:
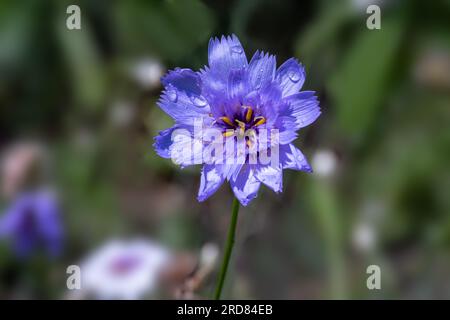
(322, 31)
(83, 60)
(361, 83)
(169, 29)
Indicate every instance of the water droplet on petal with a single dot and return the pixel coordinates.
(236, 49)
(199, 101)
(294, 76)
(173, 95)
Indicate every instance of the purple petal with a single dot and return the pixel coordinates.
(214, 87)
(181, 107)
(261, 69)
(271, 177)
(231, 171)
(211, 179)
(24, 243)
(33, 219)
(245, 186)
(287, 136)
(290, 76)
(303, 107)
(293, 158)
(184, 80)
(163, 141)
(12, 218)
(270, 94)
(270, 98)
(182, 98)
(180, 144)
(252, 99)
(225, 55)
(237, 85)
(48, 222)
(187, 146)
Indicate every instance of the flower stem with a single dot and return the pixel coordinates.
(228, 248)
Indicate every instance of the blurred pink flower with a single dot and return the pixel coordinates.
(124, 269)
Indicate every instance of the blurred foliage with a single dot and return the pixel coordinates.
(385, 117)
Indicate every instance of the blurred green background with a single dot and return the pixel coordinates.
(380, 150)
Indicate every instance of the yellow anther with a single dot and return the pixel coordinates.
(240, 123)
(248, 114)
(241, 132)
(228, 133)
(251, 134)
(241, 128)
(249, 143)
(259, 121)
(227, 121)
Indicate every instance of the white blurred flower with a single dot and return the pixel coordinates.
(324, 163)
(124, 269)
(364, 237)
(209, 256)
(147, 72)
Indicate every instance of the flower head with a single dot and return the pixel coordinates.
(237, 118)
(124, 269)
(31, 222)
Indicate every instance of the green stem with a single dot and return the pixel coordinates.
(228, 249)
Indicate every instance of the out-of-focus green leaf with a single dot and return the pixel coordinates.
(360, 84)
(178, 231)
(329, 217)
(170, 29)
(406, 172)
(15, 32)
(83, 61)
(322, 31)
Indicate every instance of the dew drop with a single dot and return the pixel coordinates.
(236, 49)
(294, 76)
(199, 101)
(173, 95)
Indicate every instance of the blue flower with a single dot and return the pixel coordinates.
(251, 104)
(33, 221)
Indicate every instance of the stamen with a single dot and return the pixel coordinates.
(227, 121)
(251, 133)
(240, 123)
(248, 115)
(259, 121)
(251, 137)
(241, 128)
(228, 133)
